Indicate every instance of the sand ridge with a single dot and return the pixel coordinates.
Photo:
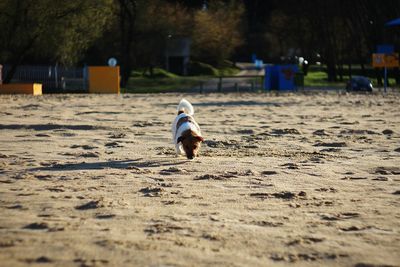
(289, 179)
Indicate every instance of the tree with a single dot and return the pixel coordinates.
(342, 32)
(158, 22)
(52, 30)
(127, 15)
(217, 31)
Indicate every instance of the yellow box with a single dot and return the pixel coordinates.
(104, 80)
(21, 88)
(385, 60)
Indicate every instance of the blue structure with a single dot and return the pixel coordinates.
(280, 77)
(259, 64)
(253, 58)
(385, 49)
(395, 22)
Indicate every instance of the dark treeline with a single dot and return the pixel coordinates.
(336, 33)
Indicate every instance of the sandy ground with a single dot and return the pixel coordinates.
(289, 180)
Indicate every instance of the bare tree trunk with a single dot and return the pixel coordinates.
(128, 10)
(331, 70)
(397, 75)
(362, 69)
(19, 59)
(350, 71)
(378, 75)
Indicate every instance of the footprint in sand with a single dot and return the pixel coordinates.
(320, 132)
(331, 144)
(286, 195)
(308, 257)
(16, 207)
(290, 166)
(267, 223)
(173, 170)
(89, 155)
(357, 132)
(37, 226)
(42, 135)
(246, 131)
(113, 145)
(362, 264)
(138, 170)
(353, 228)
(388, 132)
(85, 147)
(325, 189)
(165, 151)
(305, 240)
(330, 149)
(279, 132)
(142, 124)
(171, 202)
(93, 262)
(43, 177)
(8, 243)
(104, 216)
(117, 135)
(223, 176)
(354, 178)
(340, 216)
(160, 227)
(209, 177)
(152, 191)
(39, 260)
(94, 204)
(268, 173)
(387, 170)
(31, 107)
(56, 189)
(381, 179)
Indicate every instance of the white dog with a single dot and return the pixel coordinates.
(186, 132)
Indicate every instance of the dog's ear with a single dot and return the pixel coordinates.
(180, 139)
(200, 139)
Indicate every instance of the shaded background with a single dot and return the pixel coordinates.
(334, 33)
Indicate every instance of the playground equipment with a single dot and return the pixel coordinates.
(104, 80)
(21, 88)
(385, 58)
(56, 79)
(280, 77)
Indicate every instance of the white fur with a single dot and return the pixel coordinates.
(186, 107)
(176, 133)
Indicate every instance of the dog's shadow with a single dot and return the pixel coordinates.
(112, 164)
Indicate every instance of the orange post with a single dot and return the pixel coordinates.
(385, 60)
(104, 80)
(21, 88)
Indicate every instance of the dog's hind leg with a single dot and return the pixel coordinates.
(178, 149)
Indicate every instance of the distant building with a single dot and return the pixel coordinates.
(177, 55)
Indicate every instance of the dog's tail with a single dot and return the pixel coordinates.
(186, 107)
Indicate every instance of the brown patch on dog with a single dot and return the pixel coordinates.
(191, 143)
(181, 111)
(182, 121)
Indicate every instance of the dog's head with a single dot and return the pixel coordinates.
(191, 143)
